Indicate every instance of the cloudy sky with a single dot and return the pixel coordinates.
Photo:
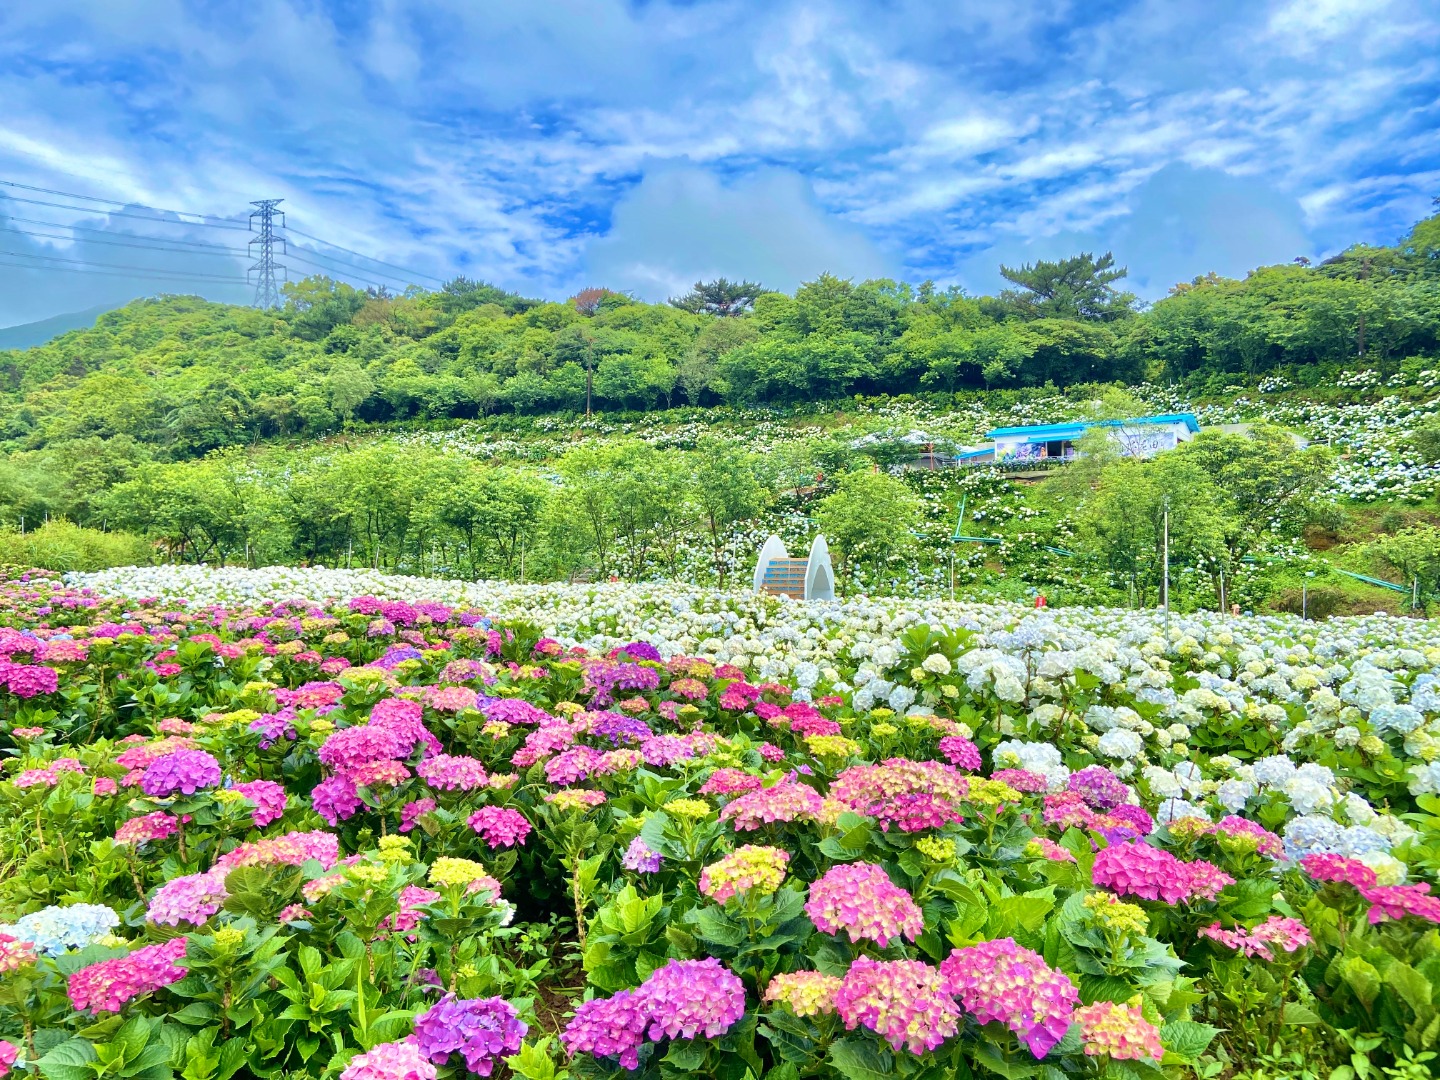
(549, 144)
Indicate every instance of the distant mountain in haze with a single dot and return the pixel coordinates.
(27, 335)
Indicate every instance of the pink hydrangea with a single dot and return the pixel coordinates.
(269, 800)
(1338, 868)
(1397, 901)
(1278, 932)
(450, 772)
(731, 782)
(860, 899)
(1000, 981)
(1022, 780)
(1119, 1031)
(140, 830)
(500, 826)
(960, 752)
(906, 1002)
(786, 801)
(192, 898)
(291, 849)
(412, 812)
(108, 985)
(390, 1061)
(911, 795)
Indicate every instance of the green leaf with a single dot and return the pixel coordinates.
(1187, 1038)
(1295, 1013)
(68, 1061)
(859, 1059)
(1410, 985)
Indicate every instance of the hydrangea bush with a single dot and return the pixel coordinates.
(414, 835)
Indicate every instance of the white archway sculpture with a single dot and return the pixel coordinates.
(777, 574)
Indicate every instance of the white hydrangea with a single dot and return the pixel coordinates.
(1119, 743)
(937, 664)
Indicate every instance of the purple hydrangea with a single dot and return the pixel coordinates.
(1099, 787)
(640, 858)
(184, 771)
(618, 728)
(641, 650)
(608, 1027)
(335, 799)
(483, 1030)
(686, 998)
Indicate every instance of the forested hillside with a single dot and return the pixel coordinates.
(183, 376)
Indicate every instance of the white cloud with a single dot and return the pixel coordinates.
(682, 224)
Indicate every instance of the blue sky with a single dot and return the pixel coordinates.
(549, 145)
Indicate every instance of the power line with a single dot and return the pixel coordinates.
(344, 270)
(115, 202)
(224, 252)
(118, 266)
(121, 213)
(367, 258)
(174, 279)
(174, 244)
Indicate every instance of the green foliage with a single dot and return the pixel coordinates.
(61, 545)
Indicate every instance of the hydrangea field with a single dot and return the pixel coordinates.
(313, 823)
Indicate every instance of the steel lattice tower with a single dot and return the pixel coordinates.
(267, 292)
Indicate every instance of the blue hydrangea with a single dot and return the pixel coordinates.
(1401, 718)
(1312, 834)
(56, 930)
(1358, 840)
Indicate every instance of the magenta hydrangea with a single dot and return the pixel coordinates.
(481, 1030)
(612, 1027)
(269, 800)
(180, 772)
(999, 981)
(689, 998)
(500, 826)
(1099, 787)
(906, 1002)
(110, 984)
(1134, 869)
(860, 899)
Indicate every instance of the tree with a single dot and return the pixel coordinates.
(1123, 522)
(726, 492)
(1413, 553)
(720, 297)
(348, 388)
(1268, 484)
(588, 300)
(869, 518)
(1080, 287)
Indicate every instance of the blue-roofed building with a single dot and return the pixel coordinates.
(1143, 437)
